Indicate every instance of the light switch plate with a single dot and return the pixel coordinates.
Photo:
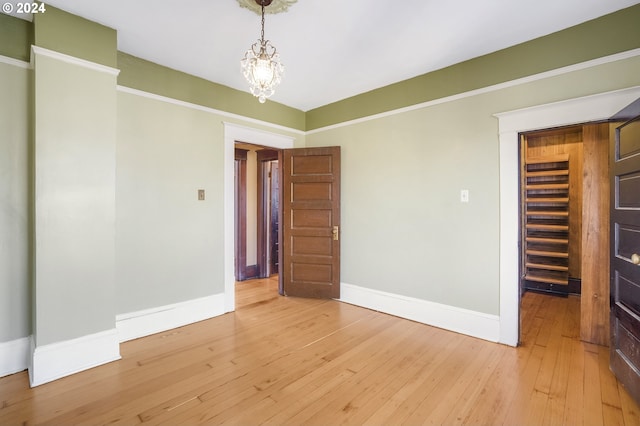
(464, 195)
(200, 194)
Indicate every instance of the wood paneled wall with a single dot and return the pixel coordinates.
(594, 303)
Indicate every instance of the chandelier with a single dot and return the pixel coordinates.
(261, 64)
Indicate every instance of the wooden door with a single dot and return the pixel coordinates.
(274, 224)
(625, 256)
(268, 208)
(310, 244)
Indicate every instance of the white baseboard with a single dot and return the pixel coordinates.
(14, 356)
(150, 321)
(471, 323)
(60, 359)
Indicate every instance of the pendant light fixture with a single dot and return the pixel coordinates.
(261, 64)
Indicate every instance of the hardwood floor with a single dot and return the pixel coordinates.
(280, 360)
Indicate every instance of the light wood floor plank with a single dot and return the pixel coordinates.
(402, 403)
(557, 396)
(592, 392)
(368, 385)
(281, 361)
(574, 404)
(610, 397)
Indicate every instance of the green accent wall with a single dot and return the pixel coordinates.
(66, 33)
(16, 37)
(607, 35)
(147, 76)
(63, 32)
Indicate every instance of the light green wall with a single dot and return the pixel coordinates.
(169, 245)
(404, 230)
(15, 319)
(614, 33)
(74, 200)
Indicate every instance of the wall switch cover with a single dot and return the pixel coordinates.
(464, 195)
(200, 194)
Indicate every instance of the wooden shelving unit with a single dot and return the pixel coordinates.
(546, 219)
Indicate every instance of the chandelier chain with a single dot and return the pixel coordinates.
(262, 32)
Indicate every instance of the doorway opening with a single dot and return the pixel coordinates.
(511, 123)
(234, 133)
(564, 221)
(257, 187)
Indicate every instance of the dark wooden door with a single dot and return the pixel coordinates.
(310, 223)
(274, 224)
(625, 256)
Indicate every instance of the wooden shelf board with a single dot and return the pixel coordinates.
(547, 253)
(548, 227)
(547, 213)
(531, 186)
(546, 279)
(558, 158)
(548, 200)
(543, 173)
(547, 267)
(548, 240)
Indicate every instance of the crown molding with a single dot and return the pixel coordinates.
(37, 50)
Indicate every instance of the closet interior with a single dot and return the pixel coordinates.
(551, 193)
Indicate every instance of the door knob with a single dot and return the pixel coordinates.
(635, 258)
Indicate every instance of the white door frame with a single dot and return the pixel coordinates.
(236, 133)
(573, 111)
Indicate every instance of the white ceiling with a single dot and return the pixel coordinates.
(332, 49)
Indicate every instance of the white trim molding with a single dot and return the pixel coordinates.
(149, 95)
(15, 62)
(37, 50)
(60, 359)
(236, 133)
(459, 320)
(155, 320)
(14, 356)
(573, 111)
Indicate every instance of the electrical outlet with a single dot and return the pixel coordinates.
(200, 194)
(464, 195)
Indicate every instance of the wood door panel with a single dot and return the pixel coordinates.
(628, 294)
(318, 246)
(311, 219)
(627, 237)
(312, 273)
(316, 165)
(629, 346)
(629, 190)
(314, 191)
(629, 140)
(311, 212)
